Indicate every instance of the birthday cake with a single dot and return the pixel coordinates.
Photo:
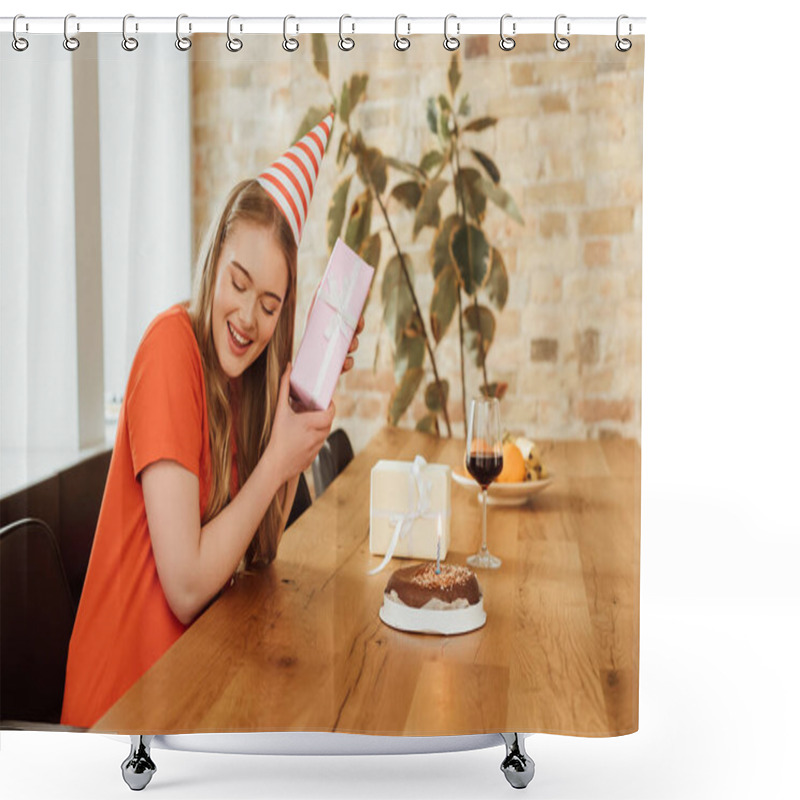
(422, 600)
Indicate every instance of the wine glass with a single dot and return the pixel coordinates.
(484, 462)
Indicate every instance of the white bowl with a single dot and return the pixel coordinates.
(504, 494)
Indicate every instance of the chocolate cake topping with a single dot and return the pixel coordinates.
(417, 584)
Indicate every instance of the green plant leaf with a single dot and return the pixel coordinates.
(398, 304)
(497, 282)
(432, 115)
(443, 302)
(436, 395)
(444, 127)
(488, 165)
(371, 250)
(408, 193)
(479, 334)
(409, 353)
(454, 73)
(468, 187)
(480, 124)
(313, 117)
(404, 393)
(471, 255)
(495, 389)
(372, 169)
(358, 89)
(336, 211)
(404, 166)
(428, 213)
(344, 151)
(360, 220)
(431, 160)
(344, 104)
(320, 54)
(441, 255)
(357, 144)
(428, 424)
(464, 109)
(500, 197)
(444, 104)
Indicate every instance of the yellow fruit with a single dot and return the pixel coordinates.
(513, 465)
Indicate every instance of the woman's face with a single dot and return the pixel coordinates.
(252, 281)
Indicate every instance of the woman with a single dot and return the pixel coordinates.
(209, 449)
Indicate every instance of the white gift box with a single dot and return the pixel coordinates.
(409, 506)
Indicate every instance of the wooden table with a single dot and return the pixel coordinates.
(299, 646)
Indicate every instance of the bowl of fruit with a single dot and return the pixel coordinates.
(523, 474)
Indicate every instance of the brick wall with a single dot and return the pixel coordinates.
(569, 149)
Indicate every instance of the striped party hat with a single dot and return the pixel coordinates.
(290, 180)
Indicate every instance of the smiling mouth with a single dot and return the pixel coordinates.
(238, 339)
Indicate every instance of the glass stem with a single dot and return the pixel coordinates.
(484, 548)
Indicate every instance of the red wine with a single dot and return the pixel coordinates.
(484, 467)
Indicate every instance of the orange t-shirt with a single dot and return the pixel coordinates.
(124, 623)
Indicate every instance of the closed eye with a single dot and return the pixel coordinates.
(236, 286)
(267, 311)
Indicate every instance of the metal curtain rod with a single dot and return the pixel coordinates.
(300, 25)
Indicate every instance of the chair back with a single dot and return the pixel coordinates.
(302, 500)
(335, 455)
(341, 449)
(323, 469)
(36, 618)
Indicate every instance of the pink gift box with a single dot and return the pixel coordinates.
(331, 326)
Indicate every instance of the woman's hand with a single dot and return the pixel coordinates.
(296, 437)
(348, 362)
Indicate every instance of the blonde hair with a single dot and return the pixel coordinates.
(259, 382)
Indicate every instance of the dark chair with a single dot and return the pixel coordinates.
(302, 500)
(322, 469)
(341, 449)
(36, 618)
(335, 455)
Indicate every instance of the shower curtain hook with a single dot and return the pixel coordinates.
(451, 43)
(18, 42)
(506, 42)
(71, 43)
(183, 43)
(561, 44)
(129, 43)
(623, 45)
(346, 43)
(400, 42)
(234, 45)
(289, 43)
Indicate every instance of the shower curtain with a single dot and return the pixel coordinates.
(498, 195)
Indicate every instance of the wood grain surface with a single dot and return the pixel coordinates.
(299, 646)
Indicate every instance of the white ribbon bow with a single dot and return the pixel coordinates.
(338, 297)
(403, 523)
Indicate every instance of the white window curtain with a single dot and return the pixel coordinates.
(38, 359)
(144, 131)
(142, 107)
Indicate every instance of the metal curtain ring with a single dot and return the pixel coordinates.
(18, 42)
(289, 44)
(451, 42)
(233, 44)
(128, 42)
(183, 43)
(561, 44)
(506, 42)
(400, 42)
(623, 45)
(346, 43)
(71, 43)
